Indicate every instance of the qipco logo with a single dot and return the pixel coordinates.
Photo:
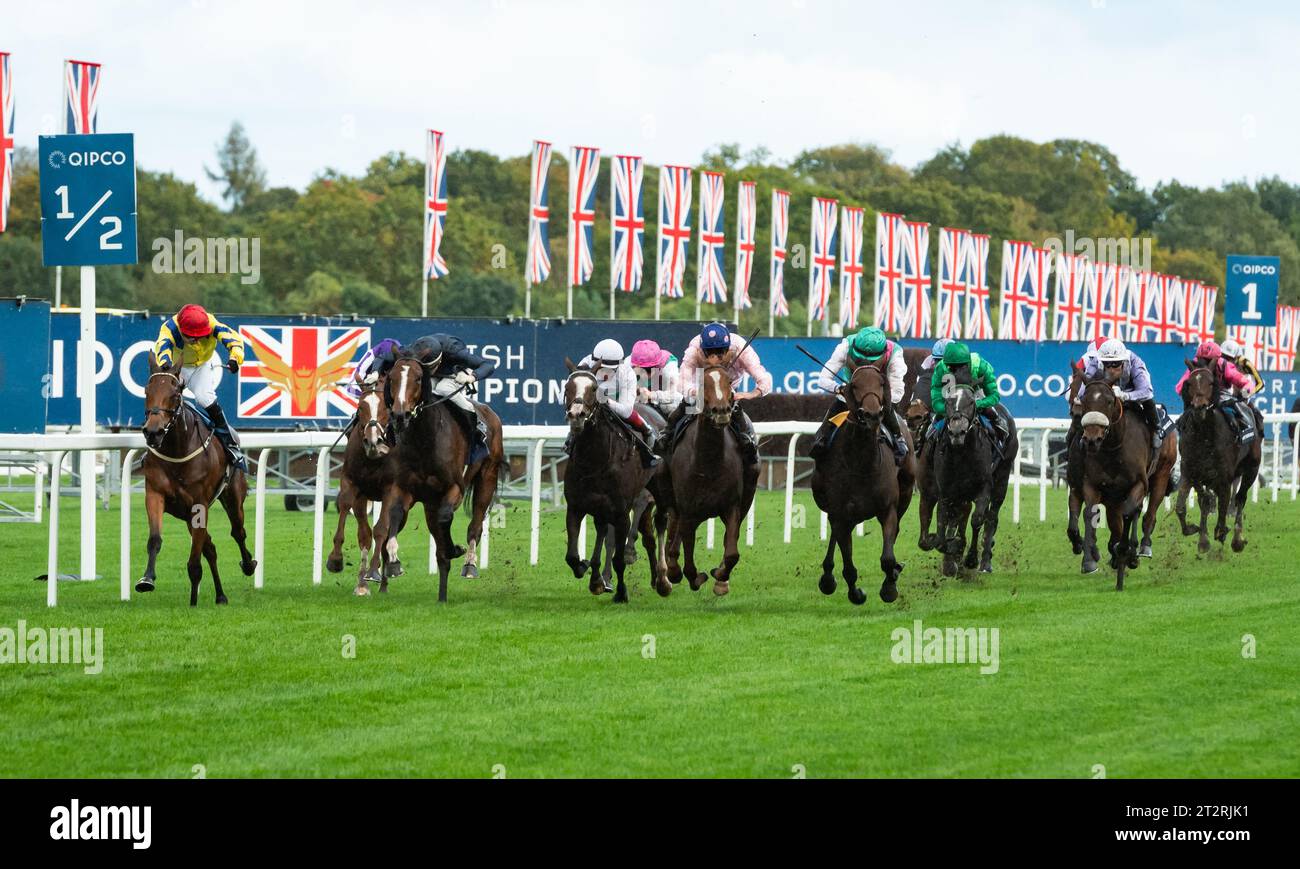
(1254, 269)
(88, 158)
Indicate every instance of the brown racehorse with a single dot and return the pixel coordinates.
(856, 479)
(1074, 468)
(1213, 461)
(603, 479)
(433, 447)
(367, 471)
(185, 470)
(1119, 470)
(706, 477)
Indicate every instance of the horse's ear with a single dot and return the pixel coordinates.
(1191, 366)
(153, 364)
(568, 363)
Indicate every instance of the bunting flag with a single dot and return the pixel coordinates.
(1109, 318)
(1122, 289)
(914, 307)
(746, 220)
(538, 267)
(1146, 308)
(780, 231)
(1282, 340)
(1073, 273)
(6, 136)
(852, 222)
(1209, 304)
(889, 271)
(1175, 309)
(584, 166)
(627, 219)
(950, 282)
(674, 228)
(1092, 320)
(979, 322)
(821, 277)
(712, 283)
(81, 96)
(435, 205)
(1022, 308)
(1253, 339)
(1199, 305)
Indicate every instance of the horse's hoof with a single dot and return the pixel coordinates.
(579, 568)
(721, 587)
(949, 568)
(663, 586)
(1189, 532)
(857, 596)
(1203, 547)
(1238, 544)
(1077, 546)
(620, 597)
(470, 571)
(698, 582)
(629, 555)
(383, 586)
(970, 563)
(392, 569)
(609, 586)
(1132, 561)
(889, 591)
(145, 584)
(596, 586)
(1145, 551)
(1089, 566)
(361, 590)
(826, 584)
(334, 565)
(248, 567)
(221, 599)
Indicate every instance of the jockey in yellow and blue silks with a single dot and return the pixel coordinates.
(193, 335)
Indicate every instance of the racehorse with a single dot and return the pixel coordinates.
(185, 470)
(1119, 470)
(1074, 469)
(1213, 461)
(603, 478)
(367, 471)
(706, 477)
(856, 479)
(430, 466)
(968, 482)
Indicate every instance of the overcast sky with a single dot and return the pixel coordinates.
(1198, 91)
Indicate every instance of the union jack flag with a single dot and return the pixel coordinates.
(538, 267)
(299, 372)
(889, 272)
(1198, 306)
(435, 205)
(583, 169)
(1123, 292)
(780, 230)
(1209, 303)
(1170, 290)
(979, 323)
(1073, 274)
(914, 313)
(950, 282)
(821, 277)
(1109, 317)
(1023, 304)
(852, 222)
(1282, 339)
(674, 229)
(627, 219)
(712, 282)
(81, 96)
(746, 219)
(6, 136)
(1147, 308)
(1253, 339)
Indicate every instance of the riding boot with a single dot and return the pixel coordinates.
(480, 449)
(1246, 413)
(822, 438)
(645, 443)
(743, 428)
(1152, 416)
(894, 426)
(1000, 431)
(226, 435)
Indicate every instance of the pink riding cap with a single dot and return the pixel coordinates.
(648, 354)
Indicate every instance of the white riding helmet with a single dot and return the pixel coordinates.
(1113, 350)
(1232, 349)
(608, 353)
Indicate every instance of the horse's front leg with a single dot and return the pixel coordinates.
(888, 563)
(652, 540)
(198, 538)
(153, 506)
(1092, 518)
(1223, 497)
(347, 496)
(842, 536)
(926, 541)
(978, 516)
(397, 505)
(730, 551)
(210, 555)
(600, 578)
(827, 583)
(695, 576)
(1072, 521)
(673, 547)
(365, 544)
(618, 544)
(573, 520)
(1180, 504)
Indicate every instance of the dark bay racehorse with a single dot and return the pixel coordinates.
(1074, 468)
(1213, 462)
(856, 479)
(367, 472)
(603, 478)
(433, 446)
(1119, 470)
(185, 470)
(706, 478)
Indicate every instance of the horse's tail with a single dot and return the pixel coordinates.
(471, 491)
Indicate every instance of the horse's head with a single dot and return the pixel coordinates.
(1072, 391)
(1101, 409)
(372, 417)
(916, 416)
(162, 400)
(1201, 389)
(405, 388)
(717, 400)
(581, 397)
(867, 394)
(960, 412)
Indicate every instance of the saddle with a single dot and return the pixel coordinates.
(838, 420)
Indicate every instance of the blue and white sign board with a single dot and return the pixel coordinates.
(88, 215)
(1250, 290)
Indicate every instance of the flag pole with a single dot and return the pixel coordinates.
(424, 296)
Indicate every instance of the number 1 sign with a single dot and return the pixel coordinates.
(88, 211)
(1250, 290)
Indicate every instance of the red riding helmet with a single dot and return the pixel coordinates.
(194, 322)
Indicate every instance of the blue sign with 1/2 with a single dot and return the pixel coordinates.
(1250, 290)
(88, 212)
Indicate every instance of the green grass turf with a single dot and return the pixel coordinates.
(525, 669)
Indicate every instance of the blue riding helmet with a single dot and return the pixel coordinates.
(939, 346)
(715, 337)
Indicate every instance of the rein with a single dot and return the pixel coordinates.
(180, 412)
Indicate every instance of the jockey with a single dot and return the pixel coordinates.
(657, 369)
(1210, 355)
(1236, 355)
(618, 392)
(867, 345)
(957, 361)
(194, 333)
(936, 354)
(1091, 353)
(375, 363)
(455, 372)
(1127, 375)
(717, 346)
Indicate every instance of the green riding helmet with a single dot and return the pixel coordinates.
(956, 353)
(868, 345)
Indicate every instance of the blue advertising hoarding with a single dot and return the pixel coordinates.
(24, 361)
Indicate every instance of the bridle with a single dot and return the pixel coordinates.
(588, 408)
(174, 413)
(1109, 424)
(860, 416)
(426, 372)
